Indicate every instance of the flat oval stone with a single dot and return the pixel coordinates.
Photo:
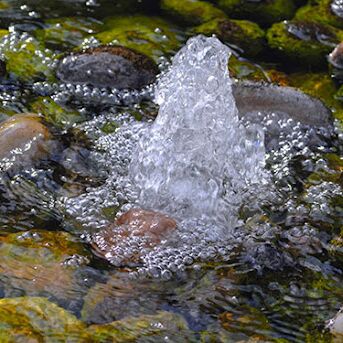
(24, 132)
(137, 229)
(108, 66)
(265, 97)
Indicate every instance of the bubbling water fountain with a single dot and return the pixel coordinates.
(197, 160)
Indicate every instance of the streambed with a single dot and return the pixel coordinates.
(273, 272)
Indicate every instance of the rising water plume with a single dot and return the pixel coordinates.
(197, 160)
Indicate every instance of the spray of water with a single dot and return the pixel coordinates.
(198, 160)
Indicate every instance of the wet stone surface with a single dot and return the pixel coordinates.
(67, 209)
(136, 230)
(112, 66)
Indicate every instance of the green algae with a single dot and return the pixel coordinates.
(34, 262)
(301, 42)
(28, 61)
(245, 70)
(55, 114)
(191, 12)
(262, 12)
(68, 32)
(244, 34)
(151, 36)
(35, 319)
(160, 327)
(319, 12)
(321, 86)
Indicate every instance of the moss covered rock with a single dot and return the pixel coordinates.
(246, 35)
(245, 70)
(67, 32)
(35, 319)
(163, 326)
(321, 86)
(55, 114)
(321, 12)
(151, 36)
(263, 12)
(40, 263)
(303, 42)
(27, 59)
(191, 12)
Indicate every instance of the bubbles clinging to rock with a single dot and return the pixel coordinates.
(108, 66)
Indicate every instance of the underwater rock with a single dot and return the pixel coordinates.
(26, 135)
(241, 69)
(264, 97)
(108, 66)
(146, 227)
(320, 86)
(45, 263)
(260, 11)
(67, 32)
(35, 319)
(60, 116)
(26, 58)
(160, 327)
(120, 297)
(245, 35)
(303, 42)
(151, 36)
(321, 11)
(191, 12)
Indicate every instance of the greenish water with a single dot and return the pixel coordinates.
(284, 287)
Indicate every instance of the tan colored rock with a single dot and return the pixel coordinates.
(25, 133)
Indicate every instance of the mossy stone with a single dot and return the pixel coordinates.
(321, 86)
(319, 12)
(301, 42)
(3, 33)
(151, 36)
(262, 12)
(35, 319)
(55, 114)
(245, 70)
(163, 326)
(36, 263)
(67, 32)
(246, 35)
(191, 12)
(28, 60)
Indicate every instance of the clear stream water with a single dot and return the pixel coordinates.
(256, 199)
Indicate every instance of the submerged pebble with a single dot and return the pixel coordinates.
(24, 135)
(108, 66)
(137, 229)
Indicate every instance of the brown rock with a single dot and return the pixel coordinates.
(137, 229)
(26, 132)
